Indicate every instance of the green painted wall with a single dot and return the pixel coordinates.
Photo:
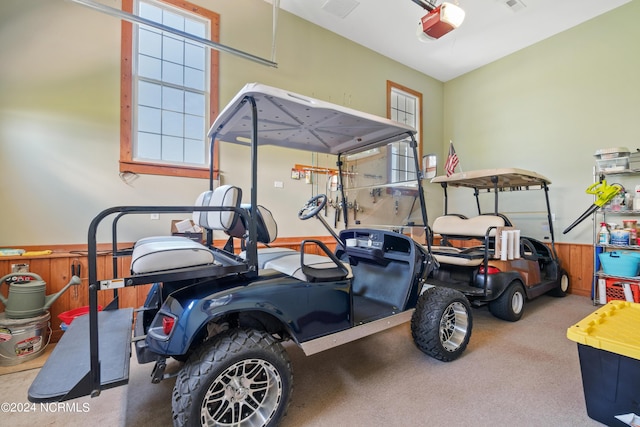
(548, 108)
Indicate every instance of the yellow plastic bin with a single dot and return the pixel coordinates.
(609, 350)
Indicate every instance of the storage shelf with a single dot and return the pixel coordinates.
(601, 215)
(620, 212)
(623, 247)
(612, 276)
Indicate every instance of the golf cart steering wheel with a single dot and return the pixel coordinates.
(313, 207)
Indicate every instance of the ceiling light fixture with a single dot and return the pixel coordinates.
(440, 20)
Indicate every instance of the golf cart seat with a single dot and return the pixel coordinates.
(308, 267)
(302, 266)
(153, 254)
(482, 227)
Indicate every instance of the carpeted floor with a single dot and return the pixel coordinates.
(513, 374)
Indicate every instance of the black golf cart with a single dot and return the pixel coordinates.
(485, 257)
(224, 311)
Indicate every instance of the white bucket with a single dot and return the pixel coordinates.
(23, 339)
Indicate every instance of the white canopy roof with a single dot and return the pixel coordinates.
(482, 179)
(296, 121)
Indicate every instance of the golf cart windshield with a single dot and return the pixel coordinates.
(381, 188)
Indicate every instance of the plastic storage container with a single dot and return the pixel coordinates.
(609, 351)
(618, 263)
(615, 290)
(68, 316)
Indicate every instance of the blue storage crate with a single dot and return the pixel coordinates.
(618, 263)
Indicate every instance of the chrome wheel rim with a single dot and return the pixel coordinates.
(564, 283)
(453, 326)
(246, 394)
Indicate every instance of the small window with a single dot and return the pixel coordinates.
(405, 106)
(169, 90)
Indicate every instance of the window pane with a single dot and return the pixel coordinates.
(172, 149)
(194, 151)
(172, 123)
(172, 50)
(194, 103)
(150, 12)
(149, 94)
(172, 73)
(194, 127)
(172, 99)
(173, 20)
(148, 146)
(149, 43)
(148, 119)
(149, 67)
(196, 28)
(194, 79)
(194, 56)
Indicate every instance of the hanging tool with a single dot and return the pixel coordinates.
(76, 268)
(604, 194)
(356, 208)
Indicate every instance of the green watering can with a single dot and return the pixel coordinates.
(27, 298)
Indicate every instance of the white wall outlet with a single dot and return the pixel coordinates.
(278, 184)
(154, 216)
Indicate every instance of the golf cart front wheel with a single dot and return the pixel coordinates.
(441, 323)
(242, 378)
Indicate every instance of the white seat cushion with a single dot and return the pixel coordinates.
(290, 264)
(267, 254)
(168, 252)
(456, 256)
(476, 226)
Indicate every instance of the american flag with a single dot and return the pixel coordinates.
(452, 160)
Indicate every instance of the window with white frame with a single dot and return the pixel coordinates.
(170, 89)
(403, 105)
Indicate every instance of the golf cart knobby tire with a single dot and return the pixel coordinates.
(230, 368)
(441, 323)
(510, 305)
(562, 288)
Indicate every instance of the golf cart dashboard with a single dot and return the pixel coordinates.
(376, 245)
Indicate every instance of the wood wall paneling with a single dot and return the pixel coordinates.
(55, 270)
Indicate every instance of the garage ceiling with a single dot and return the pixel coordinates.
(491, 30)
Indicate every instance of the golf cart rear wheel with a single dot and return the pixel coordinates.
(441, 323)
(510, 305)
(562, 288)
(242, 378)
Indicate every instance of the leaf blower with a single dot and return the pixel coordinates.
(604, 193)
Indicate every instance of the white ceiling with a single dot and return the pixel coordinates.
(491, 29)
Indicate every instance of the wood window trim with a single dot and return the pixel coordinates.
(392, 85)
(127, 164)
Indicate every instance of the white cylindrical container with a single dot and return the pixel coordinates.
(511, 243)
(636, 199)
(504, 245)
